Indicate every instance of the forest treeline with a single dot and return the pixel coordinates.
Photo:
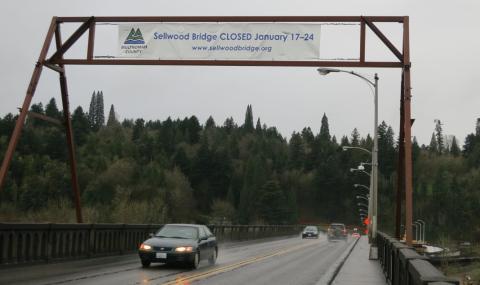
(183, 170)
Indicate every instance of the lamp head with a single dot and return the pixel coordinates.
(361, 167)
(325, 71)
(356, 185)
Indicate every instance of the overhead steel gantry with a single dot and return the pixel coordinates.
(57, 63)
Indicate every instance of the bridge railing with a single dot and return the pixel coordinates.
(39, 243)
(402, 265)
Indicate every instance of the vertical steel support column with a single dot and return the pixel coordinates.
(408, 134)
(68, 131)
(400, 167)
(26, 103)
(362, 41)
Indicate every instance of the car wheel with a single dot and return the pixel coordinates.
(213, 258)
(145, 263)
(196, 260)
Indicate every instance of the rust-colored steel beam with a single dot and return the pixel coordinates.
(91, 40)
(53, 67)
(408, 134)
(385, 40)
(380, 64)
(362, 41)
(346, 19)
(400, 167)
(26, 103)
(68, 130)
(72, 39)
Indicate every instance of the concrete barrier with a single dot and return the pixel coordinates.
(404, 266)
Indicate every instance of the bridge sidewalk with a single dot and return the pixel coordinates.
(358, 269)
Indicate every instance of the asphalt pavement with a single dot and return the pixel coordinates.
(280, 261)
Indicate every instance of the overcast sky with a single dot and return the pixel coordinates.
(444, 53)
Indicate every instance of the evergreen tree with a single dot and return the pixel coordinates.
(248, 125)
(112, 117)
(210, 123)
(229, 125)
(324, 129)
(454, 149)
(258, 127)
(433, 147)
(334, 140)
(80, 125)
(344, 141)
(273, 204)
(138, 129)
(307, 136)
(296, 153)
(439, 136)
(415, 149)
(92, 111)
(37, 108)
(386, 149)
(194, 129)
(99, 112)
(52, 111)
(355, 137)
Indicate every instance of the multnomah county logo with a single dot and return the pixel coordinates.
(135, 38)
(134, 44)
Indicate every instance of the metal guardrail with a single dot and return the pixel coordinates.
(402, 265)
(40, 243)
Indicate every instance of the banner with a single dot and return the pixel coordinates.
(220, 41)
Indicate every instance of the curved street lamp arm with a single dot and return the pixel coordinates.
(325, 71)
(362, 197)
(360, 185)
(356, 147)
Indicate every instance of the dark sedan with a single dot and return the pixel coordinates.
(180, 243)
(310, 232)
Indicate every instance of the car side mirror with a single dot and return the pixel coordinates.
(151, 235)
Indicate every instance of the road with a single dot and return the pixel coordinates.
(280, 261)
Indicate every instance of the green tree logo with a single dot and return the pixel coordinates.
(135, 37)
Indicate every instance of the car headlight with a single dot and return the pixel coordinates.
(184, 249)
(145, 247)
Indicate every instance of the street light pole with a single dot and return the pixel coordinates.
(375, 164)
(374, 177)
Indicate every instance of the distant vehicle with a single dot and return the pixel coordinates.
(355, 233)
(180, 243)
(310, 232)
(336, 232)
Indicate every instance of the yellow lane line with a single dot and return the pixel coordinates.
(223, 269)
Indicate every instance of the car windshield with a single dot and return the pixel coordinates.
(337, 227)
(310, 229)
(183, 232)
